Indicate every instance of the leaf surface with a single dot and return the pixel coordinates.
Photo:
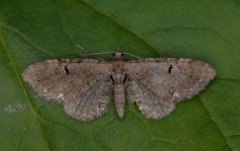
(34, 30)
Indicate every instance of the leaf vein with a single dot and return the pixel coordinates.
(73, 131)
(25, 39)
(20, 139)
(127, 28)
(193, 28)
(215, 123)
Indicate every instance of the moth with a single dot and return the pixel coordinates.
(84, 86)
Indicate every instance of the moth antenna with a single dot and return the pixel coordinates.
(135, 56)
(98, 53)
(81, 48)
(85, 51)
(102, 53)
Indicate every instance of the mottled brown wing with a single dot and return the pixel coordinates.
(156, 85)
(82, 86)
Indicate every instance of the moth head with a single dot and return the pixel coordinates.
(118, 55)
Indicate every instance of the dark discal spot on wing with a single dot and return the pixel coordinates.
(83, 87)
(170, 69)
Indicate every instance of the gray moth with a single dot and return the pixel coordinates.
(84, 86)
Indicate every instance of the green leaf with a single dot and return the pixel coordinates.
(36, 30)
